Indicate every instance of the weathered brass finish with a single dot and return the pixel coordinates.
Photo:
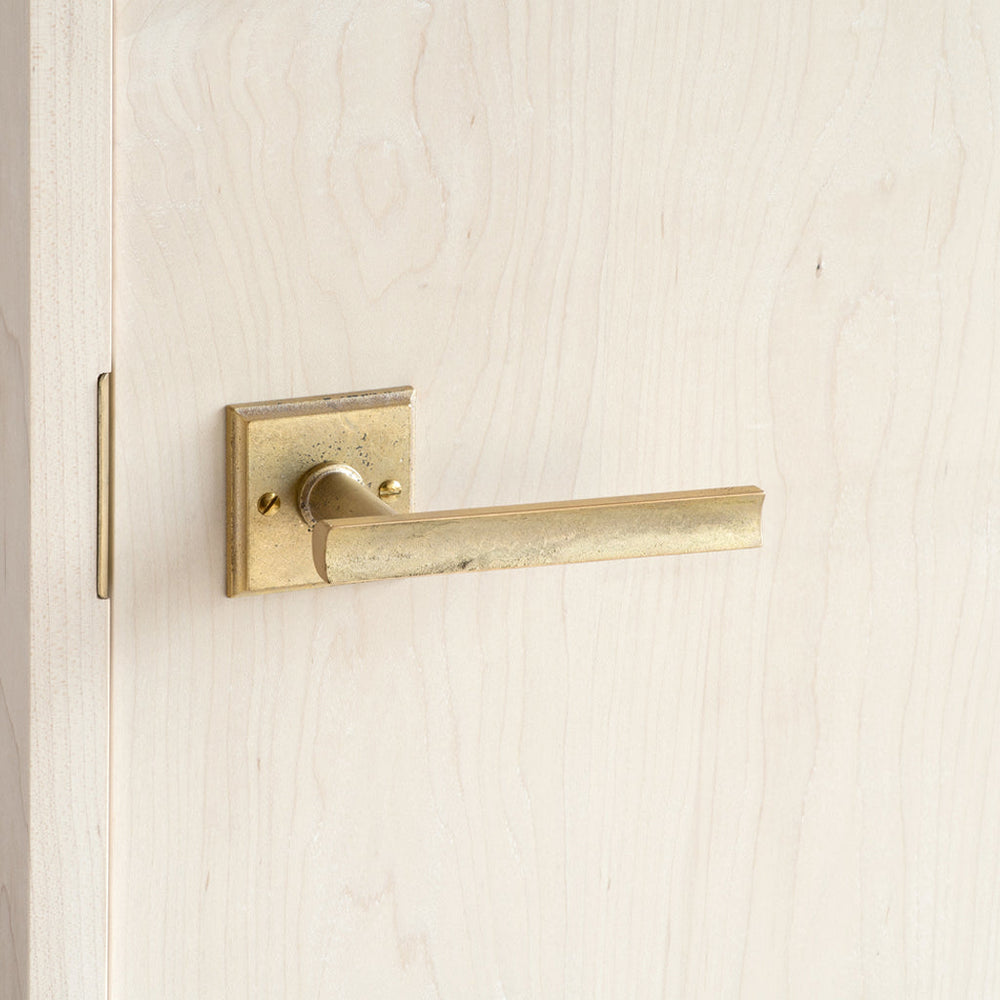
(270, 446)
(352, 549)
(333, 490)
(104, 486)
(305, 494)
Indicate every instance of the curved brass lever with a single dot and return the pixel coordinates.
(303, 505)
(358, 537)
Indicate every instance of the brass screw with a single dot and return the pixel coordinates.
(269, 503)
(390, 488)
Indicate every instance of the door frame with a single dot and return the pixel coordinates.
(55, 339)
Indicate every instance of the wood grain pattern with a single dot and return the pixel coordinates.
(55, 329)
(617, 248)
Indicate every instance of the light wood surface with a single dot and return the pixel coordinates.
(55, 338)
(616, 248)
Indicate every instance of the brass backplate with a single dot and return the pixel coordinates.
(271, 446)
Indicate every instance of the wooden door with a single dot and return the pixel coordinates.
(615, 247)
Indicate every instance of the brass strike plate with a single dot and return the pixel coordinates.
(271, 446)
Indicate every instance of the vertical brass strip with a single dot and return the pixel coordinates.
(104, 486)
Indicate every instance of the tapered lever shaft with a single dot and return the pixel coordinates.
(357, 537)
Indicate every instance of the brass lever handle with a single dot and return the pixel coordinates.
(358, 537)
(288, 528)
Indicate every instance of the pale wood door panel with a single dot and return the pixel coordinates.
(616, 248)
